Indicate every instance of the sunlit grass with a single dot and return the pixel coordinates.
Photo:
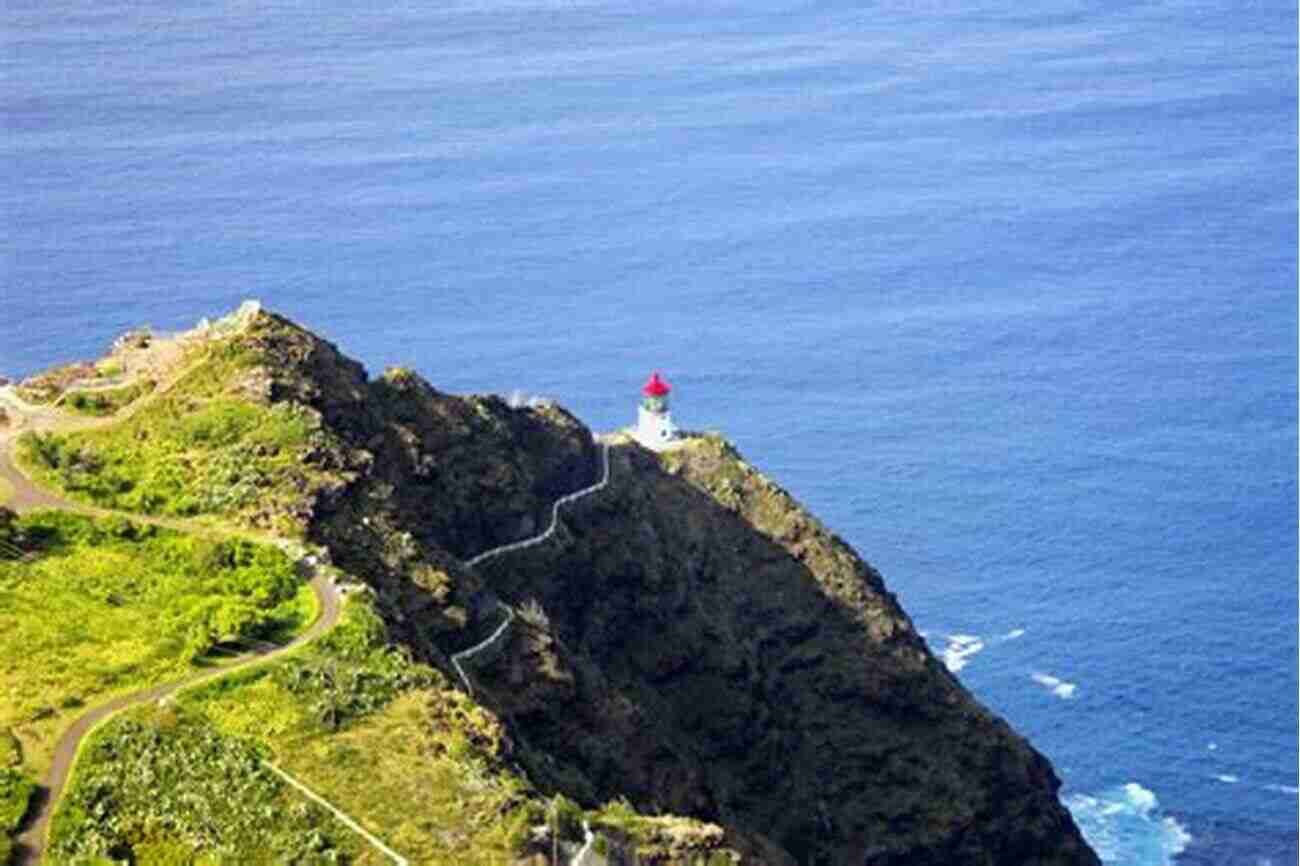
(200, 449)
(109, 607)
(106, 401)
(415, 761)
(168, 786)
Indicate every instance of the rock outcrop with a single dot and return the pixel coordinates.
(692, 639)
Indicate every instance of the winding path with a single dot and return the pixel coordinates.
(31, 842)
(28, 496)
(501, 630)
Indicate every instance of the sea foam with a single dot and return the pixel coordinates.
(1055, 685)
(1126, 827)
(961, 647)
(959, 650)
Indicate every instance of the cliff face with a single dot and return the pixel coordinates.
(691, 639)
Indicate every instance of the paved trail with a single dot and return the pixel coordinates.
(28, 496)
(539, 538)
(31, 843)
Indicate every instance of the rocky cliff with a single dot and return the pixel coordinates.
(691, 640)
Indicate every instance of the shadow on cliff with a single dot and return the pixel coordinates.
(672, 652)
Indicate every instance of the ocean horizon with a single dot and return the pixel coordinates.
(1007, 297)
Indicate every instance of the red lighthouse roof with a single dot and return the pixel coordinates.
(656, 387)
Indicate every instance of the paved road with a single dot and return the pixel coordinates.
(27, 496)
(31, 842)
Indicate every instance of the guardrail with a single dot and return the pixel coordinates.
(500, 631)
(555, 516)
(338, 813)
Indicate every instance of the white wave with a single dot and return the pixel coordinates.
(1283, 789)
(1212, 746)
(1055, 685)
(959, 650)
(1142, 799)
(1014, 633)
(1125, 826)
(1227, 778)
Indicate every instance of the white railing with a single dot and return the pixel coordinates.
(584, 857)
(482, 645)
(555, 516)
(338, 813)
(500, 631)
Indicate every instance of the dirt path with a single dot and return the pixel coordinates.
(27, 496)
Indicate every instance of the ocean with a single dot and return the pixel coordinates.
(1007, 295)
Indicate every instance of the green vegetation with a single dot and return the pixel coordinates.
(6, 491)
(662, 838)
(202, 448)
(108, 368)
(159, 785)
(15, 793)
(344, 676)
(106, 401)
(426, 775)
(109, 605)
(388, 740)
(13, 537)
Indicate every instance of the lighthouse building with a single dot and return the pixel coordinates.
(654, 421)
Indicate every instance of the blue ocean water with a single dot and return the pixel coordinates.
(1006, 295)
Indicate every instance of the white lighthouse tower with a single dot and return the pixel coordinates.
(654, 422)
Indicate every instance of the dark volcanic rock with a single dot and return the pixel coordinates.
(738, 662)
(695, 640)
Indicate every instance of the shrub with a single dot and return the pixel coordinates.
(15, 793)
(107, 401)
(353, 671)
(166, 783)
(13, 540)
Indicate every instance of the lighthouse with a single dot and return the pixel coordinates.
(654, 422)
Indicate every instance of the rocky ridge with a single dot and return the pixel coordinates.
(691, 640)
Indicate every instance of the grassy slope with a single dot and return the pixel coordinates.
(384, 738)
(201, 449)
(107, 401)
(389, 741)
(164, 786)
(412, 759)
(445, 793)
(110, 606)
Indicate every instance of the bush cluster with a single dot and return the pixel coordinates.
(351, 672)
(15, 794)
(107, 401)
(163, 781)
(202, 591)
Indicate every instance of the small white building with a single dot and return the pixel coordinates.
(654, 421)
